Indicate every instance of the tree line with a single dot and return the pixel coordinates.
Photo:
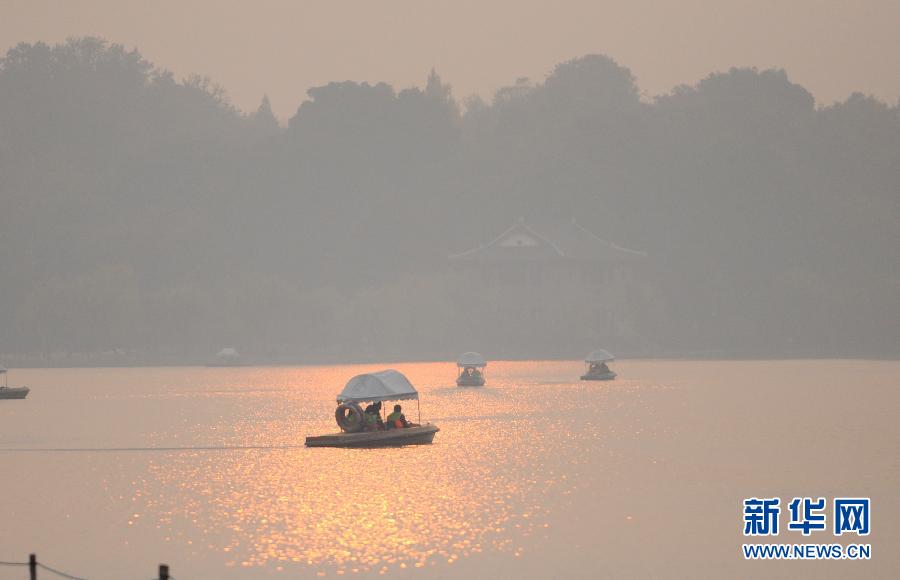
(145, 213)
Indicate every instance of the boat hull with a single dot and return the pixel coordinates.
(599, 377)
(422, 435)
(14, 392)
(469, 382)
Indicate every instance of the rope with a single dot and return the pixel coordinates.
(145, 449)
(54, 571)
(57, 572)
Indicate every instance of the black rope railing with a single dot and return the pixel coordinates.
(33, 566)
(58, 573)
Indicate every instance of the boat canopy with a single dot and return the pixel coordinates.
(471, 359)
(228, 352)
(2, 370)
(599, 356)
(388, 385)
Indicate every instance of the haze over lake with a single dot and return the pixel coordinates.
(219, 220)
(146, 220)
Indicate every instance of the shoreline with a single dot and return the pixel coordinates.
(29, 362)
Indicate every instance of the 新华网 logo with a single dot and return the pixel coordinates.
(848, 515)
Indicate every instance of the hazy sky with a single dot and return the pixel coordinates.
(283, 47)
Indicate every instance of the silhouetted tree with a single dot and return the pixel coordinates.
(263, 119)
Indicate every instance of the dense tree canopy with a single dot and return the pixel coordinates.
(146, 213)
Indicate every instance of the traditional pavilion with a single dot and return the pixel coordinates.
(569, 249)
(558, 278)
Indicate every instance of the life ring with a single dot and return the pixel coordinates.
(343, 415)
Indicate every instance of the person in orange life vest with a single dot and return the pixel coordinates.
(397, 420)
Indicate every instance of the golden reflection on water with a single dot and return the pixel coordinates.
(480, 487)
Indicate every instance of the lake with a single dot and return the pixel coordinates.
(105, 473)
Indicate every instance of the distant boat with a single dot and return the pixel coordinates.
(470, 370)
(227, 357)
(7, 392)
(596, 367)
(387, 385)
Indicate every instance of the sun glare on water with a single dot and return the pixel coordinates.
(478, 487)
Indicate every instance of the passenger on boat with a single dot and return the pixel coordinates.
(372, 416)
(397, 420)
(599, 368)
(473, 373)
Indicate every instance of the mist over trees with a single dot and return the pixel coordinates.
(144, 213)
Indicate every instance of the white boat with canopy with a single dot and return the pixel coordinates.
(227, 357)
(387, 385)
(470, 370)
(596, 367)
(358, 430)
(7, 392)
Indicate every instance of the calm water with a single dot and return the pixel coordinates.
(107, 472)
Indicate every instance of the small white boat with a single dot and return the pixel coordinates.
(7, 392)
(470, 370)
(596, 368)
(227, 357)
(387, 385)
